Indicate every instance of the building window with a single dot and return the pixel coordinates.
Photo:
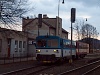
(30, 42)
(24, 44)
(0, 45)
(20, 46)
(16, 46)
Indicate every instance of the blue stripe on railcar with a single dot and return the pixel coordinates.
(46, 39)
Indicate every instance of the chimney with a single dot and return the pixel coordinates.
(27, 17)
(45, 16)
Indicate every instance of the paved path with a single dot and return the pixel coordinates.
(14, 66)
(10, 65)
(6, 61)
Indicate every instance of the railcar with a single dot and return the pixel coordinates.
(53, 48)
(82, 49)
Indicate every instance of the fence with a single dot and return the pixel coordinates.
(5, 60)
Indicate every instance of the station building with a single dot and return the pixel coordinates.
(21, 43)
(12, 43)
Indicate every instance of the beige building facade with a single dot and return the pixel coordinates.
(21, 43)
(50, 26)
(12, 43)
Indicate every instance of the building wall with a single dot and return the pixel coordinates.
(17, 49)
(64, 35)
(59, 27)
(52, 31)
(3, 45)
(31, 47)
(8, 44)
(32, 29)
(31, 25)
(32, 50)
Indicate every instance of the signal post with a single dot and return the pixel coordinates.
(73, 12)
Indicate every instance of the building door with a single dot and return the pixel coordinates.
(9, 46)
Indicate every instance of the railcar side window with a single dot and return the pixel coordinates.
(67, 44)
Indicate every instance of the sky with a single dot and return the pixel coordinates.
(89, 9)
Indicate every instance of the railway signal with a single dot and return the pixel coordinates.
(73, 12)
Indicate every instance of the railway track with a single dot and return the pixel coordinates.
(39, 71)
(22, 71)
(28, 71)
(54, 69)
(83, 70)
(92, 71)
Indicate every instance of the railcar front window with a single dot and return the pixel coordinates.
(52, 43)
(41, 43)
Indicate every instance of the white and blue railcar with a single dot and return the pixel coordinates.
(53, 48)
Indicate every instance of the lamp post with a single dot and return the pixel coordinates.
(58, 21)
(58, 15)
(59, 6)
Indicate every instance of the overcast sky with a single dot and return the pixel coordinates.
(89, 9)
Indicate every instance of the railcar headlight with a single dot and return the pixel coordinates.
(56, 51)
(38, 51)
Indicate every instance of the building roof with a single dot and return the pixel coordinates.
(10, 31)
(63, 30)
(46, 21)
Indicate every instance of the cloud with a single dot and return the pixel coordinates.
(89, 9)
(89, 3)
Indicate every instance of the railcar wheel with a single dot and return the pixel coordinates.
(73, 56)
(77, 57)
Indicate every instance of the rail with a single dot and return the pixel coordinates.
(79, 69)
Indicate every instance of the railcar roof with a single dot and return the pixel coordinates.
(47, 36)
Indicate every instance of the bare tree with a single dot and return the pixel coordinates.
(11, 12)
(83, 30)
(88, 31)
(77, 29)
